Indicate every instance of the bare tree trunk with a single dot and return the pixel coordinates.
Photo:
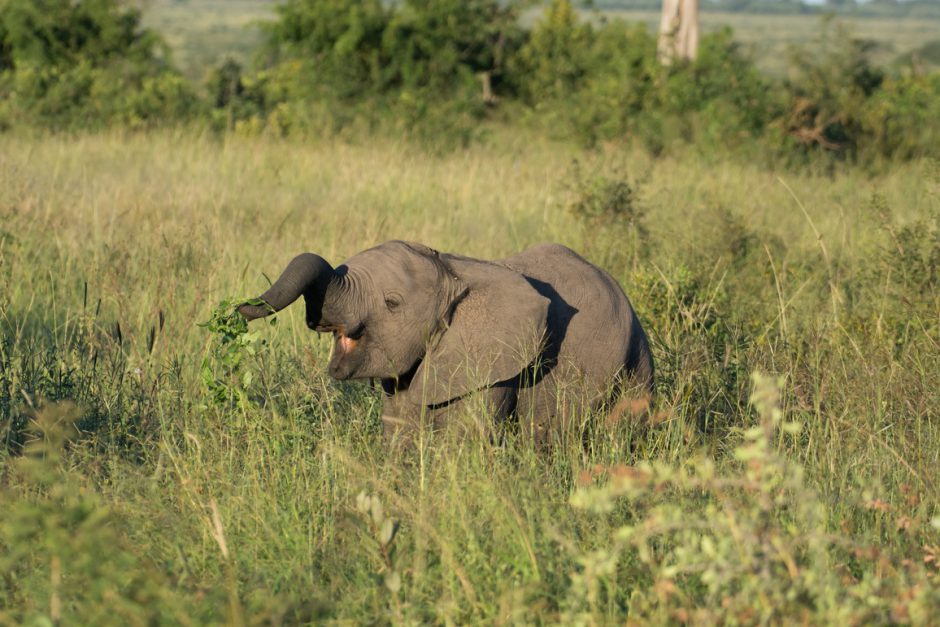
(688, 31)
(668, 30)
(486, 80)
(678, 31)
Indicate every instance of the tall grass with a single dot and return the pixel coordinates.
(811, 495)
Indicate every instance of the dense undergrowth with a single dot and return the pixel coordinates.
(152, 472)
(442, 72)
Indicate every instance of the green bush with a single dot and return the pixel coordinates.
(85, 64)
(330, 65)
(828, 87)
(606, 83)
(721, 98)
(443, 47)
(340, 41)
(437, 71)
(557, 57)
(749, 545)
(902, 119)
(594, 84)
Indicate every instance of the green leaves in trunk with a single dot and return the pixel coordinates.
(225, 373)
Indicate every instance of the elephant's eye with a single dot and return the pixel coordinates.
(392, 301)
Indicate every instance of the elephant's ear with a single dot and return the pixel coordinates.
(495, 331)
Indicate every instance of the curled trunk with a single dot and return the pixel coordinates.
(307, 275)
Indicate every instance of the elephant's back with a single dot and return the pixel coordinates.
(592, 320)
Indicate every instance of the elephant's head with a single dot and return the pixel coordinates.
(401, 308)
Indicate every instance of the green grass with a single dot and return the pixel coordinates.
(171, 506)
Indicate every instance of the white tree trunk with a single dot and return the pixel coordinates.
(678, 31)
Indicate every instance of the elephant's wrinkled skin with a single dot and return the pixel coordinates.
(542, 336)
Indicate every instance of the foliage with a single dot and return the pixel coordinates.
(415, 68)
(224, 372)
(747, 545)
(85, 64)
(721, 95)
(606, 83)
(829, 88)
(443, 72)
(900, 119)
(439, 45)
(607, 79)
(554, 61)
(609, 208)
(339, 40)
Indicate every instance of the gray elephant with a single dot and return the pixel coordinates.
(540, 338)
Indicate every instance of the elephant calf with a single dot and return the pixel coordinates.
(543, 336)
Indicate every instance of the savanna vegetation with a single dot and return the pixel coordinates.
(780, 239)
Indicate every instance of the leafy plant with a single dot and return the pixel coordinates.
(557, 56)
(608, 207)
(225, 372)
(340, 41)
(88, 63)
(828, 87)
(748, 545)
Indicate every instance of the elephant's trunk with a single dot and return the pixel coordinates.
(307, 275)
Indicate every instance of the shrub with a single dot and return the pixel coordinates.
(555, 60)
(87, 63)
(444, 46)
(612, 86)
(426, 69)
(721, 99)
(827, 89)
(743, 546)
(606, 83)
(339, 40)
(902, 119)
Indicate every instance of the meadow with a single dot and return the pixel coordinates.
(786, 471)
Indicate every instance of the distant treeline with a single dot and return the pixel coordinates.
(443, 70)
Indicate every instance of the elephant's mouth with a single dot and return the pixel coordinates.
(346, 343)
(346, 360)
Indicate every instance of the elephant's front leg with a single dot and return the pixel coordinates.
(477, 415)
(480, 413)
(401, 420)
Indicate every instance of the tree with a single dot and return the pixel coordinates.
(678, 31)
(341, 40)
(85, 63)
(441, 44)
(557, 55)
